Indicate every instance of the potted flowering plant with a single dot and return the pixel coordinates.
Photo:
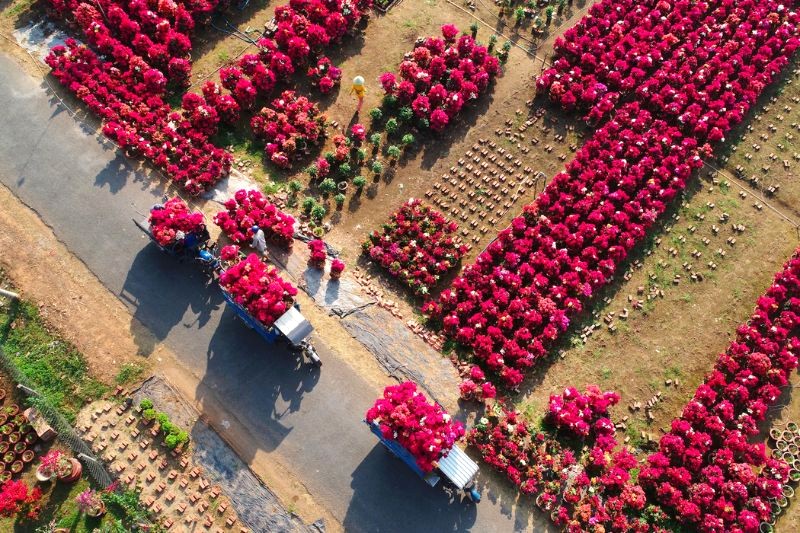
(337, 267)
(317, 257)
(90, 502)
(56, 464)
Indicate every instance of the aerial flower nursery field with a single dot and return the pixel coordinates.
(591, 207)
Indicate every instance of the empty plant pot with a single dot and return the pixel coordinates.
(788, 491)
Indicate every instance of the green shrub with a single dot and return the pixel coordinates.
(312, 171)
(392, 126)
(327, 186)
(339, 199)
(308, 204)
(394, 152)
(375, 139)
(377, 167)
(171, 441)
(318, 212)
(162, 419)
(390, 101)
(295, 186)
(361, 155)
(407, 139)
(345, 169)
(405, 114)
(149, 414)
(376, 114)
(360, 181)
(146, 403)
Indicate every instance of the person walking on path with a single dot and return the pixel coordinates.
(359, 90)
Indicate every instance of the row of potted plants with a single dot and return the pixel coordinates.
(140, 125)
(707, 472)
(174, 437)
(418, 245)
(439, 77)
(520, 295)
(703, 65)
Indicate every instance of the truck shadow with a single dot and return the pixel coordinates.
(402, 500)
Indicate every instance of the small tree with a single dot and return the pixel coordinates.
(339, 199)
(361, 155)
(376, 114)
(392, 126)
(312, 171)
(407, 139)
(295, 186)
(360, 181)
(405, 114)
(492, 43)
(473, 28)
(375, 139)
(548, 14)
(146, 403)
(308, 204)
(393, 152)
(327, 186)
(318, 212)
(345, 169)
(377, 167)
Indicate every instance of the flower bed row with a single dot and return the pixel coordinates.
(440, 76)
(259, 289)
(707, 472)
(141, 125)
(520, 294)
(421, 427)
(139, 32)
(703, 65)
(250, 208)
(417, 246)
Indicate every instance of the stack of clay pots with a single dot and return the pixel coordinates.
(786, 446)
(17, 438)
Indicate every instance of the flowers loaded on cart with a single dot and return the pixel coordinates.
(172, 222)
(422, 428)
(258, 288)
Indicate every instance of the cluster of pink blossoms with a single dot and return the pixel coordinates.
(259, 289)
(250, 208)
(174, 217)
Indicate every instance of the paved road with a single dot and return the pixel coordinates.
(309, 420)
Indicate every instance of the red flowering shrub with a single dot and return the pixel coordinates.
(438, 78)
(318, 255)
(422, 428)
(325, 75)
(707, 472)
(16, 497)
(579, 414)
(288, 126)
(251, 208)
(337, 267)
(174, 217)
(259, 289)
(417, 246)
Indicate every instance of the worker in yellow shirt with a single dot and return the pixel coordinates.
(359, 90)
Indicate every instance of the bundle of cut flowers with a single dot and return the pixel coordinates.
(172, 218)
(259, 289)
(422, 428)
(289, 126)
(250, 208)
(418, 245)
(440, 76)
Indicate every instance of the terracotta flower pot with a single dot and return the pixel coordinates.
(6, 429)
(3, 419)
(30, 438)
(4, 446)
(26, 428)
(77, 470)
(14, 437)
(9, 457)
(20, 447)
(12, 409)
(793, 427)
(28, 456)
(775, 433)
(5, 475)
(781, 444)
(17, 466)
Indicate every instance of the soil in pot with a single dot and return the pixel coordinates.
(14, 438)
(4, 446)
(792, 426)
(5, 475)
(6, 429)
(12, 409)
(9, 457)
(26, 428)
(17, 466)
(28, 456)
(20, 447)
